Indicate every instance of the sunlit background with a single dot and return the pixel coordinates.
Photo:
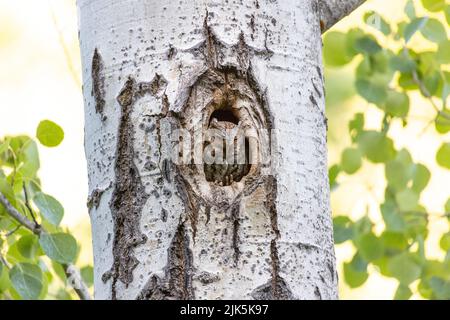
(40, 78)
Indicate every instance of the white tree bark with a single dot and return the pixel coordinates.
(168, 231)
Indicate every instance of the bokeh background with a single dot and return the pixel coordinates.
(40, 78)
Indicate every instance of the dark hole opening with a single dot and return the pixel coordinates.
(226, 115)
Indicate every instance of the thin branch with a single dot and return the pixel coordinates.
(70, 270)
(10, 233)
(27, 204)
(3, 260)
(18, 216)
(333, 11)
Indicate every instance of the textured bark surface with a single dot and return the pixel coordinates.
(164, 229)
(332, 11)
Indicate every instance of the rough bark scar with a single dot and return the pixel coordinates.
(177, 282)
(226, 85)
(236, 223)
(95, 197)
(276, 288)
(98, 83)
(129, 195)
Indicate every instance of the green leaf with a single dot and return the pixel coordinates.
(356, 125)
(397, 104)
(392, 218)
(49, 133)
(446, 87)
(414, 26)
(343, 230)
(353, 35)
(406, 81)
(367, 45)
(351, 160)
(370, 247)
(447, 14)
(394, 240)
(441, 288)
(421, 177)
(442, 124)
(444, 243)
(374, 20)
(397, 174)
(5, 283)
(4, 145)
(355, 272)
(27, 279)
(404, 268)
(425, 289)
(371, 90)
(59, 270)
(434, 31)
(63, 295)
(403, 292)
(410, 10)
(402, 64)
(376, 146)
(49, 207)
(333, 173)
(443, 155)
(443, 53)
(28, 246)
(447, 206)
(87, 273)
(61, 247)
(432, 82)
(29, 156)
(433, 5)
(335, 49)
(407, 200)
(362, 226)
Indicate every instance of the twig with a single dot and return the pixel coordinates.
(70, 270)
(10, 233)
(3, 260)
(27, 204)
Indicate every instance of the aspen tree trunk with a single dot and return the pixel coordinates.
(169, 228)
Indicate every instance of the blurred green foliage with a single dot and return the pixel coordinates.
(32, 266)
(386, 77)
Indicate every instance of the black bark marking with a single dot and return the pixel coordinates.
(95, 197)
(313, 100)
(207, 278)
(276, 288)
(98, 83)
(252, 26)
(191, 202)
(270, 203)
(129, 195)
(211, 44)
(177, 282)
(171, 52)
(235, 209)
(180, 266)
(163, 215)
(316, 89)
(207, 213)
(317, 293)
